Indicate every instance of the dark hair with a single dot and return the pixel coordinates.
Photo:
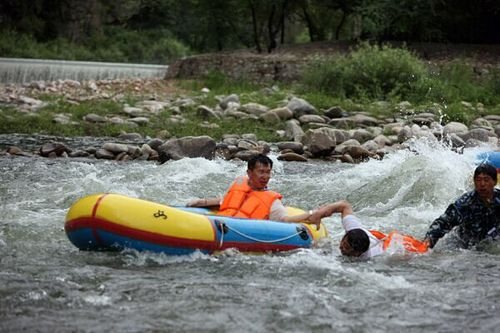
(487, 169)
(259, 158)
(358, 242)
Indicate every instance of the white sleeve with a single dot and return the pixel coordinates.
(351, 222)
(278, 211)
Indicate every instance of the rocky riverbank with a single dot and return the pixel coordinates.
(306, 131)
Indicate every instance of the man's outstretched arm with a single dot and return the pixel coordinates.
(343, 207)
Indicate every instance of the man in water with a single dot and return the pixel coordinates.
(361, 242)
(249, 197)
(476, 214)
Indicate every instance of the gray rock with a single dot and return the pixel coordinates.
(341, 135)
(293, 131)
(292, 157)
(54, 148)
(270, 117)
(382, 140)
(184, 104)
(311, 118)
(357, 152)
(146, 151)
(342, 123)
(404, 134)
(319, 141)
(296, 147)
(115, 148)
(231, 141)
(456, 141)
(454, 127)
(154, 107)
(94, 118)
(364, 120)
(247, 144)
(104, 154)
(493, 118)
(371, 146)
(346, 158)
(199, 146)
(79, 153)
(64, 119)
(300, 107)
(254, 108)
(482, 122)
(130, 136)
(155, 143)
(249, 136)
(283, 113)
(336, 112)
(246, 155)
(231, 98)
(133, 112)
(140, 120)
(345, 146)
(206, 112)
(392, 128)
(470, 143)
(362, 135)
(13, 150)
(206, 124)
(117, 120)
(239, 114)
(479, 134)
(163, 134)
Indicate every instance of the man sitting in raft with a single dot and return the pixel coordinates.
(249, 197)
(476, 214)
(363, 243)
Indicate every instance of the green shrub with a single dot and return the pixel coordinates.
(371, 72)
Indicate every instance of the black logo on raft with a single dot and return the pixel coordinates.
(161, 214)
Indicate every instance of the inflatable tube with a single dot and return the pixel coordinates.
(103, 222)
(493, 158)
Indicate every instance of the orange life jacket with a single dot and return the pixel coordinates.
(242, 201)
(410, 244)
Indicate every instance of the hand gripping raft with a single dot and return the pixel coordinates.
(107, 222)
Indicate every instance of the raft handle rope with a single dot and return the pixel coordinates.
(224, 228)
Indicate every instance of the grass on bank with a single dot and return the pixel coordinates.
(41, 122)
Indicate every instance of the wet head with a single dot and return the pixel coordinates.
(485, 179)
(259, 171)
(354, 243)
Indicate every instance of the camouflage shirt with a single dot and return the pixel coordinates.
(475, 220)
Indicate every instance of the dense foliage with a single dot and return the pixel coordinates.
(385, 73)
(157, 30)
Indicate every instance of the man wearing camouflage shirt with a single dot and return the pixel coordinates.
(476, 214)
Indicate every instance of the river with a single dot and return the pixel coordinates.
(48, 285)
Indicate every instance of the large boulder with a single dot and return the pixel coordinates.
(190, 146)
(300, 107)
(54, 149)
(454, 127)
(296, 147)
(320, 141)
